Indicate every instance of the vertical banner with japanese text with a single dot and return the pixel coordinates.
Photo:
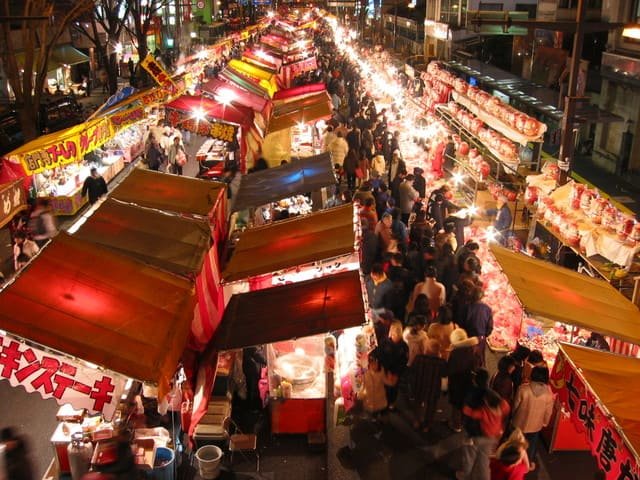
(53, 376)
(609, 448)
(158, 73)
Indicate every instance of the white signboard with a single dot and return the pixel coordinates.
(53, 376)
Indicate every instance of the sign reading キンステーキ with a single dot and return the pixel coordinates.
(53, 376)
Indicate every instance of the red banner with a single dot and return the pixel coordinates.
(207, 128)
(609, 448)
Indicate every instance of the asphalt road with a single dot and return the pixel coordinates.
(33, 417)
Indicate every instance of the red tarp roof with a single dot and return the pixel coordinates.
(90, 302)
(237, 114)
(173, 193)
(172, 242)
(298, 241)
(290, 311)
(299, 91)
(243, 97)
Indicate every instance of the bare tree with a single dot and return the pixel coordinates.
(141, 17)
(108, 16)
(37, 39)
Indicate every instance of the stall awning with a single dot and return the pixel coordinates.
(265, 78)
(261, 58)
(306, 109)
(60, 56)
(238, 114)
(163, 240)
(105, 308)
(613, 379)
(305, 90)
(244, 82)
(292, 311)
(557, 293)
(219, 88)
(172, 193)
(297, 241)
(295, 178)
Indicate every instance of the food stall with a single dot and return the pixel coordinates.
(294, 117)
(110, 319)
(59, 163)
(307, 310)
(232, 126)
(550, 304)
(599, 390)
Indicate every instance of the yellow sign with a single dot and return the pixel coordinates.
(158, 73)
(67, 147)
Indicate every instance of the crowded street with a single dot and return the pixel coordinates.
(293, 255)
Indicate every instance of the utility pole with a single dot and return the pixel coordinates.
(569, 132)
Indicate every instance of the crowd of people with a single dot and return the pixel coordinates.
(423, 284)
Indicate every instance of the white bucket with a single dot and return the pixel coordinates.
(209, 458)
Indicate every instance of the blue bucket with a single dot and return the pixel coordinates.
(164, 464)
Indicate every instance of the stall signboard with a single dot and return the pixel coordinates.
(211, 128)
(158, 73)
(12, 200)
(66, 149)
(128, 117)
(54, 376)
(607, 445)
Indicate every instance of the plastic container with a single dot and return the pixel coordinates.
(209, 460)
(163, 466)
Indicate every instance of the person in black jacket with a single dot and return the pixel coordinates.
(95, 186)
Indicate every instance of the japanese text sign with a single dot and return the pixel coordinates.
(210, 128)
(158, 73)
(614, 457)
(12, 200)
(67, 148)
(121, 120)
(56, 377)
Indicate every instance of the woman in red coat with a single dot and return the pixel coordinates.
(437, 161)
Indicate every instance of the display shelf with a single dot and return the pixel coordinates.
(594, 266)
(493, 121)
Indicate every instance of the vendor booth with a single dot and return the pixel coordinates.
(291, 130)
(102, 307)
(599, 390)
(295, 178)
(306, 310)
(560, 302)
(59, 163)
(235, 136)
